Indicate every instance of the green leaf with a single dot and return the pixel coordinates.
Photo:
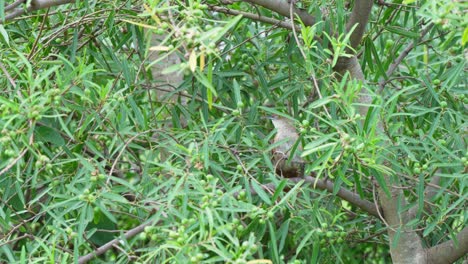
(9, 103)
(114, 197)
(172, 68)
(205, 81)
(279, 189)
(343, 178)
(368, 53)
(464, 39)
(106, 212)
(314, 147)
(289, 194)
(381, 180)
(216, 33)
(209, 93)
(305, 240)
(48, 134)
(321, 102)
(4, 33)
(396, 237)
(378, 62)
(137, 113)
(275, 112)
(236, 88)
(429, 228)
(420, 194)
(402, 32)
(260, 192)
(273, 241)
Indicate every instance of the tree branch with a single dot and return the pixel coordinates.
(447, 252)
(343, 193)
(276, 22)
(102, 249)
(359, 16)
(409, 244)
(282, 7)
(34, 6)
(14, 5)
(429, 193)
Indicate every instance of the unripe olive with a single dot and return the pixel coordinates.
(143, 236)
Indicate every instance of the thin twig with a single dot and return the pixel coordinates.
(279, 23)
(34, 6)
(378, 211)
(7, 74)
(17, 239)
(41, 29)
(9, 166)
(317, 88)
(400, 58)
(14, 5)
(109, 245)
(343, 193)
(291, 16)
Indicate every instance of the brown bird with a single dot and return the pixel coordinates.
(287, 134)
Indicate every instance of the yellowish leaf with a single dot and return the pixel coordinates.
(153, 16)
(465, 36)
(202, 61)
(193, 61)
(425, 55)
(139, 24)
(346, 205)
(159, 48)
(260, 261)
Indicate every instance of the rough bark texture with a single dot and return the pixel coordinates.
(448, 252)
(282, 7)
(167, 81)
(408, 248)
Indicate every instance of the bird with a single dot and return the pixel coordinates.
(287, 134)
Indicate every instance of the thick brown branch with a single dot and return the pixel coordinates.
(14, 5)
(430, 191)
(41, 4)
(448, 252)
(409, 244)
(276, 22)
(359, 16)
(34, 6)
(282, 7)
(343, 193)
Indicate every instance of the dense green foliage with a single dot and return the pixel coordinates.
(92, 144)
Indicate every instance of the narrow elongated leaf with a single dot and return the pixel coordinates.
(402, 32)
(314, 148)
(261, 193)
